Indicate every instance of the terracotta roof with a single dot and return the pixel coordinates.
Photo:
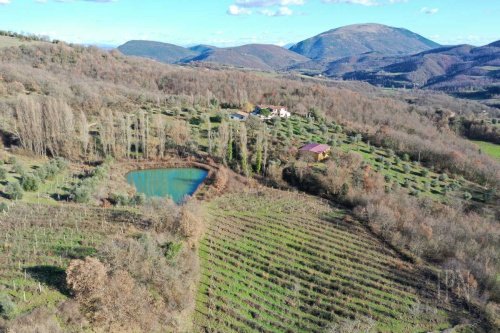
(315, 148)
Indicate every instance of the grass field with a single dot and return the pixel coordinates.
(489, 148)
(282, 262)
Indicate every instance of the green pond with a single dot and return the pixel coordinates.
(173, 183)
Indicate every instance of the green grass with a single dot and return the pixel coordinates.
(280, 262)
(489, 148)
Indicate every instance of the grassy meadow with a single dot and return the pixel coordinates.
(489, 148)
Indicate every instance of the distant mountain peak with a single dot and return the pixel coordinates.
(357, 39)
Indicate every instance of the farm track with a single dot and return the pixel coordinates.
(278, 262)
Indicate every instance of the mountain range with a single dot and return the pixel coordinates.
(375, 53)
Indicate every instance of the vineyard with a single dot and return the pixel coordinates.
(282, 262)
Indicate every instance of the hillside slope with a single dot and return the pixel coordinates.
(256, 56)
(162, 52)
(360, 39)
(464, 70)
(279, 262)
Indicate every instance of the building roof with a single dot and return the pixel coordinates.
(315, 148)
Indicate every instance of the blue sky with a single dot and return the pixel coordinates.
(236, 22)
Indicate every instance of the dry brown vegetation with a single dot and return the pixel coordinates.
(144, 283)
(130, 272)
(107, 86)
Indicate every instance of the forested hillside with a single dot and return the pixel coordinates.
(424, 197)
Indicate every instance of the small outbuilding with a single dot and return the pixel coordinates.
(316, 151)
(239, 116)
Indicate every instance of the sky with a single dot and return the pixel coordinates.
(237, 22)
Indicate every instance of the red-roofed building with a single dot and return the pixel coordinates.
(316, 151)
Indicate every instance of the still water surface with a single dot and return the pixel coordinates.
(173, 183)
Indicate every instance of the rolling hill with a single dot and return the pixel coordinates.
(254, 56)
(361, 39)
(163, 52)
(374, 53)
(463, 70)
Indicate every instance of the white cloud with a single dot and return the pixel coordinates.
(236, 10)
(355, 2)
(282, 11)
(429, 11)
(268, 3)
(267, 7)
(366, 2)
(4, 2)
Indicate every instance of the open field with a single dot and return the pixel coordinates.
(283, 262)
(489, 148)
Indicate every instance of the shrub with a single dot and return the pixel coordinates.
(427, 186)
(372, 149)
(30, 183)
(51, 170)
(7, 307)
(41, 173)
(379, 159)
(424, 173)
(61, 163)
(171, 249)
(443, 177)
(4, 207)
(406, 168)
(397, 160)
(19, 169)
(138, 199)
(467, 196)
(81, 194)
(406, 183)
(12, 160)
(434, 183)
(387, 178)
(119, 199)
(3, 174)
(406, 157)
(14, 191)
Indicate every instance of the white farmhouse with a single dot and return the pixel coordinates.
(267, 112)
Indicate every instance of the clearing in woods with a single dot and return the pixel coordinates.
(489, 148)
(275, 261)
